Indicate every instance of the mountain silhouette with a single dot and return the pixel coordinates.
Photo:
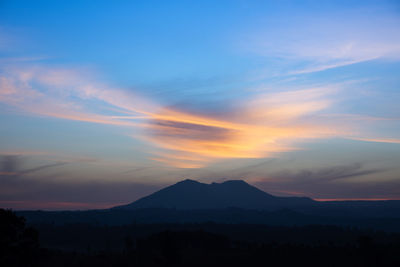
(190, 194)
(231, 202)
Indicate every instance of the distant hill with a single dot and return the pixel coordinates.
(230, 202)
(190, 194)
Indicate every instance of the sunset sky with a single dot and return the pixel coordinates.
(103, 102)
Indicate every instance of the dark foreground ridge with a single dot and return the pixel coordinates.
(206, 244)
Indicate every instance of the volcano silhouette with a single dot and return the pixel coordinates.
(190, 194)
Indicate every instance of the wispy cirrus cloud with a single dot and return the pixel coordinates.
(379, 140)
(327, 174)
(11, 166)
(23, 187)
(307, 44)
(256, 127)
(340, 182)
(66, 94)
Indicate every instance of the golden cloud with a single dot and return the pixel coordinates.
(258, 127)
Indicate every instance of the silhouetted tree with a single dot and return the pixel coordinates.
(18, 244)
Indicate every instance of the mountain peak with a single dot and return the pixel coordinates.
(239, 182)
(191, 194)
(188, 181)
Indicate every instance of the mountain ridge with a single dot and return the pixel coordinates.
(233, 202)
(191, 194)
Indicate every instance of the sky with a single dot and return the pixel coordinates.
(103, 102)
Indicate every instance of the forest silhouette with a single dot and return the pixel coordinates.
(202, 244)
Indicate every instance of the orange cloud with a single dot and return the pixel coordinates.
(379, 140)
(257, 128)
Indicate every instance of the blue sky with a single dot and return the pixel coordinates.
(296, 97)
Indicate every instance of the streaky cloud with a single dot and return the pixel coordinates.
(260, 126)
(379, 140)
(313, 43)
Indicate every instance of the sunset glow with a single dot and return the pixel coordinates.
(295, 98)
